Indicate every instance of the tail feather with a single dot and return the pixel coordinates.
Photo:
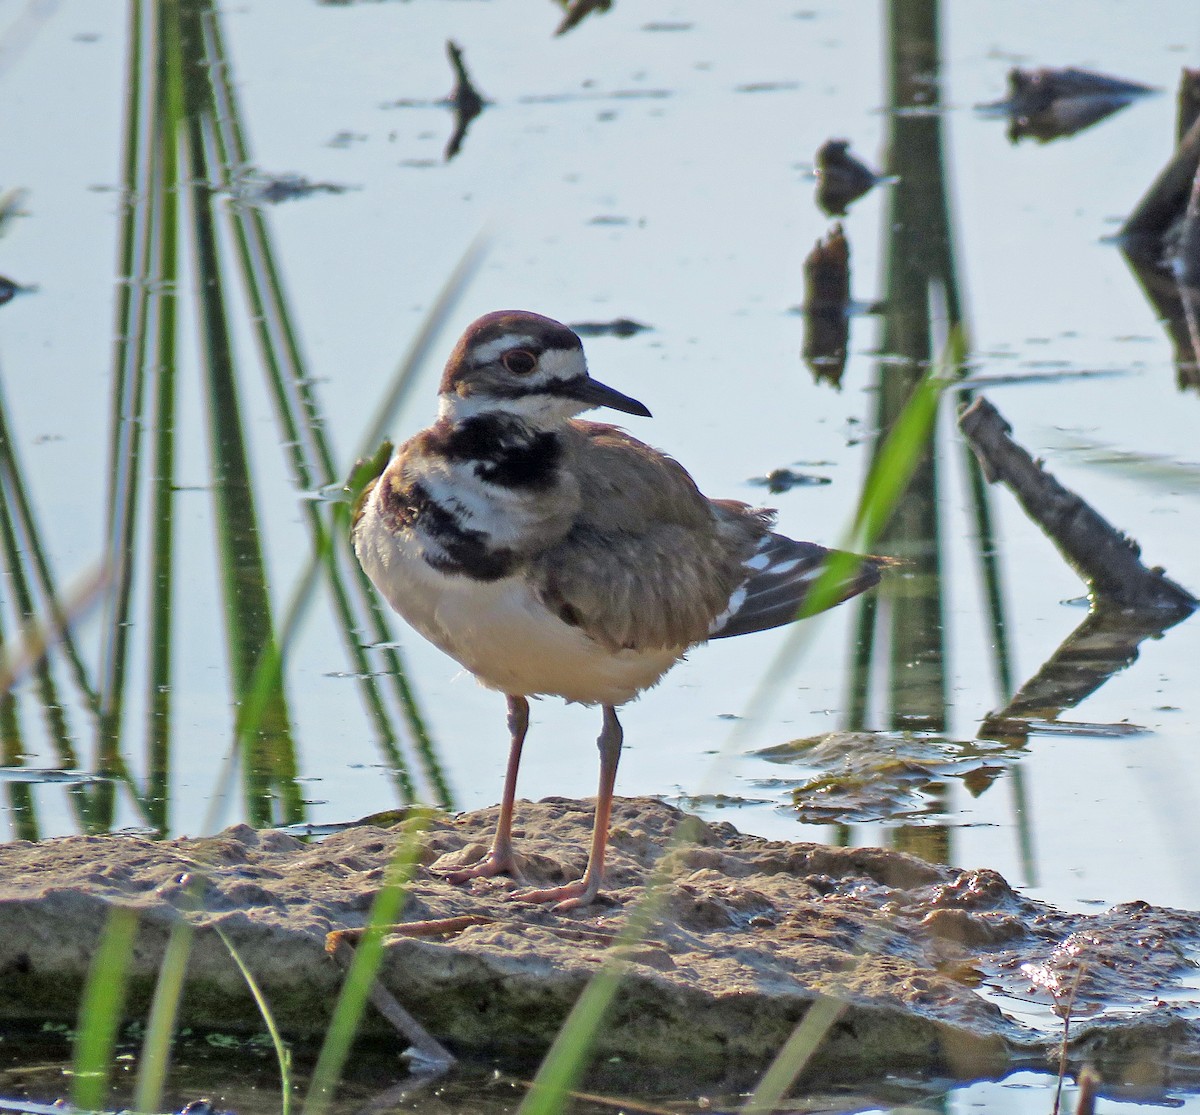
(780, 574)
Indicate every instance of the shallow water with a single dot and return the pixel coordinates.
(651, 165)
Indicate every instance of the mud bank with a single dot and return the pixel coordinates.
(941, 970)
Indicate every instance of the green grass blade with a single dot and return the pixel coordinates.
(368, 957)
(267, 678)
(36, 638)
(100, 1010)
(422, 344)
(567, 1057)
(885, 484)
(22, 810)
(797, 1051)
(376, 624)
(299, 415)
(282, 1053)
(160, 1025)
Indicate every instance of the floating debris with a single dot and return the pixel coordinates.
(841, 177)
(826, 307)
(875, 776)
(1046, 104)
(344, 139)
(717, 801)
(618, 327)
(264, 189)
(614, 95)
(766, 86)
(780, 480)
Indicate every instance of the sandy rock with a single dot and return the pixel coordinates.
(942, 970)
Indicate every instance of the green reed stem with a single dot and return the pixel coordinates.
(165, 200)
(12, 478)
(270, 759)
(129, 359)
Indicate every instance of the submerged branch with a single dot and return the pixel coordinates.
(1109, 561)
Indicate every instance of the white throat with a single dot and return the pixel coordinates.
(539, 411)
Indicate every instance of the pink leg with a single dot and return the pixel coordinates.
(500, 859)
(583, 892)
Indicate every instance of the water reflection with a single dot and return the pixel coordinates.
(1160, 238)
(899, 674)
(1047, 104)
(182, 215)
(842, 178)
(465, 100)
(1103, 645)
(827, 307)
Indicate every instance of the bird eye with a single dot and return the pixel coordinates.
(519, 361)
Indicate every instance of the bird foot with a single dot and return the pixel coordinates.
(494, 863)
(570, 896)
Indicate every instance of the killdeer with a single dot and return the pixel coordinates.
(556, 557)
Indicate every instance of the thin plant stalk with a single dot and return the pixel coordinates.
(21, 808)
(12, 478)
(299, 415)
(989, 566)
(884, 486)
(282, 1053)
(563, 1065)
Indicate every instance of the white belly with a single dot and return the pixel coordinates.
(500, 631)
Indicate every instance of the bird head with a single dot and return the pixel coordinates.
(527, 366)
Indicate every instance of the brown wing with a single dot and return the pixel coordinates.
(649, 562)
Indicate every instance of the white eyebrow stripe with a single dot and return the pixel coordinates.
(486, 353)
(561, 364)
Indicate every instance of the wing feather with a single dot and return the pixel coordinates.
(650, 560)
(782, 573)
